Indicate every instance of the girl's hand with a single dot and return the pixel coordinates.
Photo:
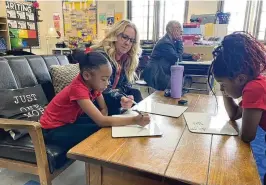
(126, 102)
(104, 112)
(142, 119)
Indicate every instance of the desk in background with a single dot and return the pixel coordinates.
(195, 70)
(198, 70)
(61, 51)
(205, 51)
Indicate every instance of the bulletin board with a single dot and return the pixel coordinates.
(22, 24)
(80, 23)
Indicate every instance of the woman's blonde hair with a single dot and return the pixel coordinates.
(108, 45)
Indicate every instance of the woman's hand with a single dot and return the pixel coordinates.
(176, 35)
(196, 57)
(142, 119)
(126, 102)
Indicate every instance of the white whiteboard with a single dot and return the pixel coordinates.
(151, 129)
(161, 109)
(205, 123)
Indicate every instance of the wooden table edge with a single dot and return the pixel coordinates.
(116, 166)
(181, 181)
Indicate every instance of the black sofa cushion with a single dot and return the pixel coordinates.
(7, 79)
(23, 150)
(22, 72)
(41, 72)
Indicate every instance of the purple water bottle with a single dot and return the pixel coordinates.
(176, 81)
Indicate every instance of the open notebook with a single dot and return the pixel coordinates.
(151, 129)
(205, 123)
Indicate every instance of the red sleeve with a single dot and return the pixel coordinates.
(254, 96)
(88, 50)
(78, 92)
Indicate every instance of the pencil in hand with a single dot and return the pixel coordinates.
(135, 103)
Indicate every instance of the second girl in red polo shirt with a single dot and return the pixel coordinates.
(237, 67)
(61, 122)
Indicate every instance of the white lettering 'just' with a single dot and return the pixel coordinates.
(25, 98)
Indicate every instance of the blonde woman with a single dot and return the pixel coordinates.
(122, 47)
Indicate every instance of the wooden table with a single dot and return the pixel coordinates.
(178, 157)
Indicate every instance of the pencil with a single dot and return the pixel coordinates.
(138, 112)
(135, 103)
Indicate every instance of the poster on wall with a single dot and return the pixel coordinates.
(110, 21)
(80, 22)
(21, 15)
(30, 26)
(11, 14)
(110, 17)
(118, 16)
(30, 16)
(12, 24)
(56, 19)
(22, 23)
(102, 18)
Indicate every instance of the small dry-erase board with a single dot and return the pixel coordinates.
(151, 129)
(161, 109)
(208, 124)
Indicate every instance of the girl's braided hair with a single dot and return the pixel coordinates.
(239, 53)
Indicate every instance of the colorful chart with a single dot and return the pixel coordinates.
(23, 30)
(79, 22)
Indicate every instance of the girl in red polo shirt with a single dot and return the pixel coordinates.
(237, 67)
(61, 121)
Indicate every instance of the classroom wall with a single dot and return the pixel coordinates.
(202, 7)
(46, 14)
(55, 6)
(195, 7)
(103, 6)
(2, 9)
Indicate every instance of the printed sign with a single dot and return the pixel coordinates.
(22, 22)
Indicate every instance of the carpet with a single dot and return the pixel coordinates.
(259, 151)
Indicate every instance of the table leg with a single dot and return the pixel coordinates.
(87, 173)
(93, 174)
(99, 175)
